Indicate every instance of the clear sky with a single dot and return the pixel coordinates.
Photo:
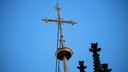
(28, 44)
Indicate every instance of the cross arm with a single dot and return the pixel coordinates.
(71, 22)
(59, 21)
(49, 20)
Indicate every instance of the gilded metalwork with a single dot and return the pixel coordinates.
(62, 53)
(59, 21)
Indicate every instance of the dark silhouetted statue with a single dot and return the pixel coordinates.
(81, 67)
(104, 68)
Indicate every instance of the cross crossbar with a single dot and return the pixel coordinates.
(59, 21)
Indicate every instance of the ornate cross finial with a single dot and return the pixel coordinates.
(59, 21)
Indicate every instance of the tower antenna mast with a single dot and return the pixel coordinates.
(63, 53)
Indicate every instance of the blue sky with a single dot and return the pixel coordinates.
(28, 44)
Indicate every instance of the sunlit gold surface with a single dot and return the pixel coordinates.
(65, 51)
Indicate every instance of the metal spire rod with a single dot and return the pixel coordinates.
(63, 53)
(60, 25)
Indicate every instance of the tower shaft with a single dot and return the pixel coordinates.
(65, 64)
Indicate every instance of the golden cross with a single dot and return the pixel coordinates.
(59, 21)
